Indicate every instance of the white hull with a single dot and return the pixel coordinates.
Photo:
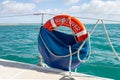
(11, 70)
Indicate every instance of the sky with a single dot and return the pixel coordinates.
(100, 9)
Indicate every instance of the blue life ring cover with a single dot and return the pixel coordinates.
(57, 43)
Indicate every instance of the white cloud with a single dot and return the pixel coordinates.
(94, 9)
(8, 6)
(98, 7)
(69, 2)
(38, 1)
(53, 11)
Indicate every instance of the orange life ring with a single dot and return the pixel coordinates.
(69, 21)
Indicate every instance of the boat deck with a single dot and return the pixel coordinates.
(11, 70)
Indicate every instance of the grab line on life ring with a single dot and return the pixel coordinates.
(69, 21)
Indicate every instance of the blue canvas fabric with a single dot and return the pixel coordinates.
(58, 43)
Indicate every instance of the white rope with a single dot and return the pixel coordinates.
(109, 41)
(70, 61)
(93, 29)
(88, 56)
(106, 33)
(89, 34)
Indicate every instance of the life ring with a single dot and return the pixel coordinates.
(69, 21)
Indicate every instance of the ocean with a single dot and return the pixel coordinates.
(19, 43)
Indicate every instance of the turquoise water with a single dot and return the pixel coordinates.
(19, 43)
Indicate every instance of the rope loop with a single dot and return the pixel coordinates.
(78, 52)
